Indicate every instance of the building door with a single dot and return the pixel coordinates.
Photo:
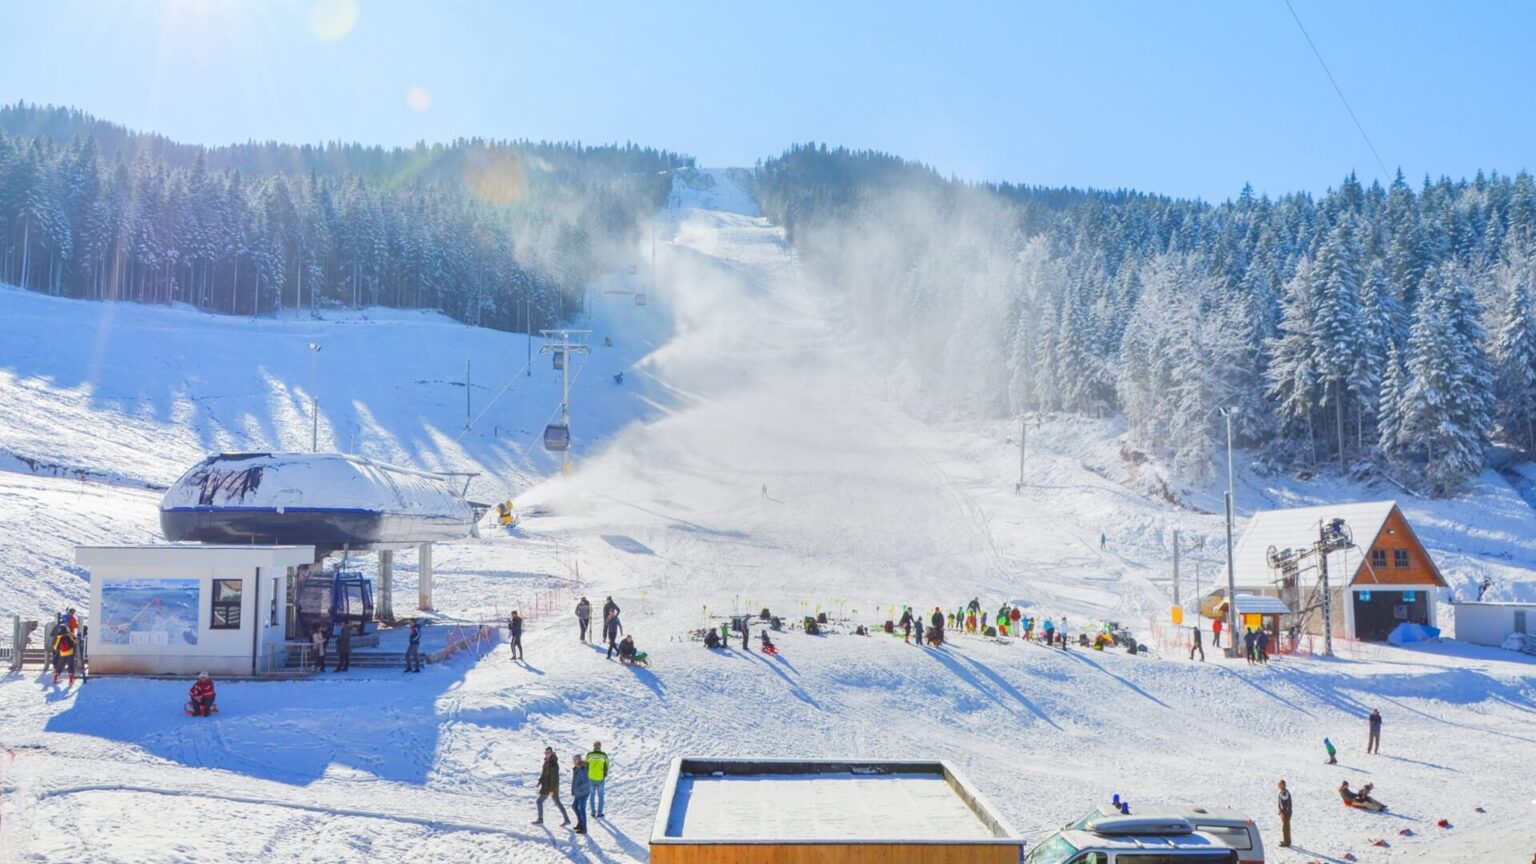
(1378, 612)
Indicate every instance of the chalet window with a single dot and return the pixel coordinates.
(1400, 559)
(1378, 559)
(226, 604)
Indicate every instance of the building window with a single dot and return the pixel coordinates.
(1400, 559)
(226, 604)
(1378, 559)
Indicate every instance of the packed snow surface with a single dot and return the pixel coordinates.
(753, 457)
(853, 807)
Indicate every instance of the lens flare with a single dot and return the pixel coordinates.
(495, 176)
(331, 20)
(419, 98)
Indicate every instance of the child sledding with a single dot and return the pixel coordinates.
(1361, 800)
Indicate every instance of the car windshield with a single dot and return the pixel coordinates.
(1053, 851)
(1096, 813)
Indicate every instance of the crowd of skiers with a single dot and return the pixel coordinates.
(589, 782)
(1008, 622)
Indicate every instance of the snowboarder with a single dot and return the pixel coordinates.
(1215, 632)
(1196, 646)
(549, 786)
(202, 695)
(906, 625)
(63, 649)
(317, 646)
(597, 772)
(515, 628)
(413, 649)
(1333, 752)
(1373, 743)
(344, 648)
(1285, 808)
(584, 618)
(581, 787)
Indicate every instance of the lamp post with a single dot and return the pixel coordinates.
(314, 401)
(1231, 563)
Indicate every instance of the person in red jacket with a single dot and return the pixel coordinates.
(202, 695)
(1216, 632)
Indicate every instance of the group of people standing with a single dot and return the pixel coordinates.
(624, 645)
(66, 645)
(589, 783)
(320, 641)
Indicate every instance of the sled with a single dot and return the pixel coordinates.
(187, 709)
(1372, 806)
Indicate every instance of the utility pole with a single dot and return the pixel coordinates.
(466, 395)
(1322, 566)
(528, 328)
(1176, 569)
(314, 400)
(1231, 583)
(1023, 437)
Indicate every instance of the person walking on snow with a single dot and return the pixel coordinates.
(549, 786)
(344, 648)
(611, 631)
(917, 625)
(1215, 632)
(317, 643)
(584, 618)
(515, 628)
(1196, 646)
(1373, 743)
(1285, 813)
(413, 649)
(597, 772)
(581, 788)
(906, 625)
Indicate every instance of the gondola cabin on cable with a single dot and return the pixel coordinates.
(557, 437)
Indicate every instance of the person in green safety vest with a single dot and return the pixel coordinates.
(597, 772)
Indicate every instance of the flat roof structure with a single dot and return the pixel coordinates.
(717, 810)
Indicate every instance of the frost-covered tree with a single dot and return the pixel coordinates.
(1514, 350)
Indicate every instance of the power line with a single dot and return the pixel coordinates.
(1385, 174)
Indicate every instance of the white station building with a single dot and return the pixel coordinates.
(184, 609)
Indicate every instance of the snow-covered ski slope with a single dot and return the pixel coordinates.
(741, 379)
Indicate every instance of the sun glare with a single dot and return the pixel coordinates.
(419, 98)
(332, 20)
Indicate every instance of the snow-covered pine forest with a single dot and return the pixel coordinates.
(1375, 331)
(473, 228)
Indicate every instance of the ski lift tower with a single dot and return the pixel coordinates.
(557, 436)
(1332, 536)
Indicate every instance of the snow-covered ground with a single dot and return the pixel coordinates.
(753, 458)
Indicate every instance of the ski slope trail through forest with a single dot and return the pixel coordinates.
(753, 457)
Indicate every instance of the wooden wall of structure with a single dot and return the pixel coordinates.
(1395, 535)
(833, 853)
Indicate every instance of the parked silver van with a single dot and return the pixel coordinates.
(1117, 839)
(1230, 827)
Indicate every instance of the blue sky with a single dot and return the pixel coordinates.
(1184, 98)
